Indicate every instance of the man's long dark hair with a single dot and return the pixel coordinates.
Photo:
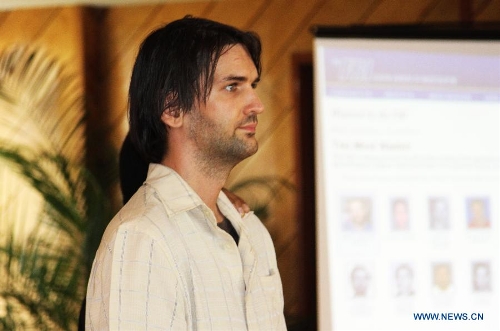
(173, 70)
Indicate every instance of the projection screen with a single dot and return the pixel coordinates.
(407, 149)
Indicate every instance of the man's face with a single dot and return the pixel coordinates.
(404, 279)
(360, 279)
(481, 277)
(477, 208)
(223, 128)
(358, 212)
(442, 276)
(400, 214)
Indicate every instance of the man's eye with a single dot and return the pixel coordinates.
(231, 87)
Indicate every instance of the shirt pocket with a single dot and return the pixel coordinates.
(272, 296)
(268, 279)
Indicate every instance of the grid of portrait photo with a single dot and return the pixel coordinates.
(432, 251)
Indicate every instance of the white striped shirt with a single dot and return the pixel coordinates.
(163, 264)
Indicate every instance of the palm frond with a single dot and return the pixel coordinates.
(42, 282)
(42, 139)
(44, 104)
(62, 204)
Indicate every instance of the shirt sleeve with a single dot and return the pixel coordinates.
(134, 286)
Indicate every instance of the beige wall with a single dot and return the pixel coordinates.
(284, 26)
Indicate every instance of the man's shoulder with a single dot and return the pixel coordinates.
(255, 228)
(143, 202)
(143, 213)
(252, 221)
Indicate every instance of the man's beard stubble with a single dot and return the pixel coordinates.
(219, 153)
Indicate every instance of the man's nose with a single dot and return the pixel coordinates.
(255, 105)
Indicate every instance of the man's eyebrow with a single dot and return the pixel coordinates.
(239, 79)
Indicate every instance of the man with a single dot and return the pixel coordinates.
(357, 214)
(400, 215)
(481, 277)
(360, 279)
(133, 173)
(443, 281)
(439, 213)
(403, 276)
(179, 256)
(478, 215)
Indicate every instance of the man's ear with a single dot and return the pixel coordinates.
(172, 117)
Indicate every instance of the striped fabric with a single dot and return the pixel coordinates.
(163, 264)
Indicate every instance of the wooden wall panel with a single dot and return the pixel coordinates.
(398, 12)
(43, 27)
(487, 11)
(70, 45)
(443, 11)
(124, 29)
(24, 26)
(121, 26)
(242, 13)
(13, 21)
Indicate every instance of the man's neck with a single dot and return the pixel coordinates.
(206, 181)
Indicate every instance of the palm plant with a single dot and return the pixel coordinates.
(43, 272)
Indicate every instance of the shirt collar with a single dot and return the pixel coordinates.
(173, 191)
(178, 196)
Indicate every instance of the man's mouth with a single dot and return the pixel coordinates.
(249, 127)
